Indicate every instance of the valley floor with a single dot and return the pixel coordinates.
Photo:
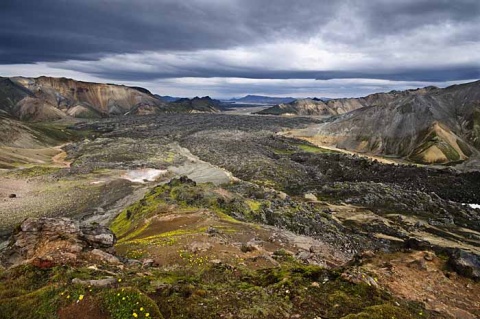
(263, 226)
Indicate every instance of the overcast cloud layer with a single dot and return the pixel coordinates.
(234, 47)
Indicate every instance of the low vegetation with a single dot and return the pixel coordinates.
(213, 291)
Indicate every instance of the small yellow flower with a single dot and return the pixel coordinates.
(123, 298)
(119, 279)
(147, 314)
(135, 315)
(68, 296)
(80, 297)
(141, 309)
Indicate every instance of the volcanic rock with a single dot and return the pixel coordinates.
(47, 242)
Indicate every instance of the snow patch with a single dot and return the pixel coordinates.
(144, 175)
(474, 206)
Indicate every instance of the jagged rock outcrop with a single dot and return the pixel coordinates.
(46, 242)
(428, 125)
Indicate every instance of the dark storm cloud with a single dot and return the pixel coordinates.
(56, 30)
(406, 74)
(394, 16)
(381, 34)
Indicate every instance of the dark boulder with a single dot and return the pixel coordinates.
(465, 263)
(98, 236)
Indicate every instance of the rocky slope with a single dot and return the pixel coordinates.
(429, 125)
(46, 98)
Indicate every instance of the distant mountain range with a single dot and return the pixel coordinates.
(428, 125)
(47, 98)
(167, 98)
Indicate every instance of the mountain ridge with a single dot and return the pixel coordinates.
(428, 125)
(261, 99)
(48, 98)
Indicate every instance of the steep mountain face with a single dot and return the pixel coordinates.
(314, 107)
(427, 125)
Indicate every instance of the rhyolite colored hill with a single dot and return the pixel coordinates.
(429, 125)
(47, 98)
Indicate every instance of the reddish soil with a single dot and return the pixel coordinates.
(88, 308)
(423, 277)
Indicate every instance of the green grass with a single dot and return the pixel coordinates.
(313, 149)
(127, 303)
(56, 133)
(36, 171)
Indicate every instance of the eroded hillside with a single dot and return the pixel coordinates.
(428, 126)
(46, 99)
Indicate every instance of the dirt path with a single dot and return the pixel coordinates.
(60, 158)
(297, 134)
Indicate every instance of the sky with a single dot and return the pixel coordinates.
(230, 48)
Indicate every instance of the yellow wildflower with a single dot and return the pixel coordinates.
(147, 314)
(141, 309)
(80, 297)
(135, 315)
